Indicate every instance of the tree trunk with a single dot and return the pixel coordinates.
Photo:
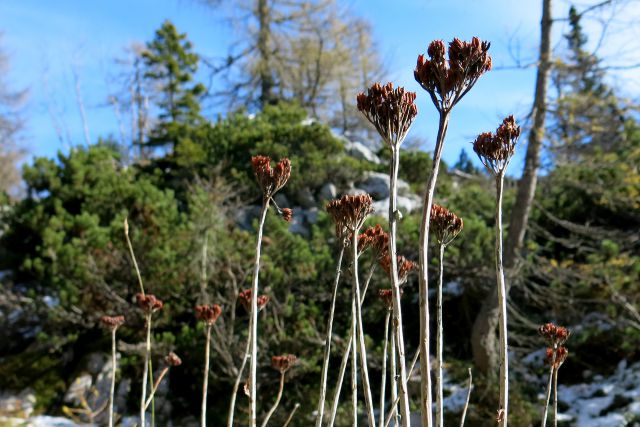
(483, 335)
(264, 32)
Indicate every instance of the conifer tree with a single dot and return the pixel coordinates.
(171, 64)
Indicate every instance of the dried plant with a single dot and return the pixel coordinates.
(281, 364)
(270, 181)
(446, 81)
(208, 314)
(245, 300)
(392, 112)
(446, 226)
(112, 323)
(495, 152)
(556, 354)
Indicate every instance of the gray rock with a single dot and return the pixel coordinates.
(246, 215)
(377, 184)
(17, 405)
(361, 152)
(406, 204)
(305, 198)
(282, 200)
(328, 191)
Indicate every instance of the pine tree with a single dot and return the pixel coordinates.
(171, 64)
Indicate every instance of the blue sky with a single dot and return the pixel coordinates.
(47, 41)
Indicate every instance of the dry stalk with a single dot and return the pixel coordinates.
(502, 299)
(276, 403)
(383, 381)
(205, 381)
(236, 385)
(113, 375)
(327, 344)
(145, 370)
(466, 403)
(253, 324)
(360, 332)
(439, 344)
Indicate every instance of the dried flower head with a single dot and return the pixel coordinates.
(375, 238)
(349, 212)
(148, 303)
(287, 214)
(245, 300)
(386, 296)
(495, 151)
(391, 111)
(270, 179)
(556, 357)
(448, 80)
(445, 224)
(112, 322)
(283, 363)
(405, 266)
(554, 335)
(172, 359)
(208, 313)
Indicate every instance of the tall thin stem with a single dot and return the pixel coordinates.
(133, 256)
(394, 378)
(354, 363)
(113, 375)
(545, 410)
(205, 381)
(276, 403)
(555, 397)
(154, 387)
(383, 381)
(145, 371)
(327, 343)
(293, 412)
(397, 310)
(439, 345)
(502, 299)
(253, 325)
(236, 385)
(343, 363)
(466, 403)
(368, 399)
(425, 363)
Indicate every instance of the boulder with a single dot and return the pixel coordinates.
(377, 184)
(328, 192)
(361, 152)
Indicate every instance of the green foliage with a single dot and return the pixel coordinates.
(170, 65)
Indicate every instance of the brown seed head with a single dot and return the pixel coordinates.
(560, 353)
(386, 296)
(349, 212)
(495, 151)
(270, 179)
(283, 363)
(554, 335)
(375, 238)
(245, 300)
(148, 303)
(208, 313)
(404, 267)
(172, 359)
(112, 322)
(447, 81)
(445, 224)
(391, 111)
(287, 214)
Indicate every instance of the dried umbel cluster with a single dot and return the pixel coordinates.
(391, 111)
(556, 357)
(375, 238)
(245, 300)
(445, 224)
(495, 150)
(349, 212)
(172, 359)
(405, 267)
(283, 363)
(286, 214)
(555, 337)
(386, 296)
(148, 303)
(208, 313)
(448, 80)
(112, 322)
(270, 179)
